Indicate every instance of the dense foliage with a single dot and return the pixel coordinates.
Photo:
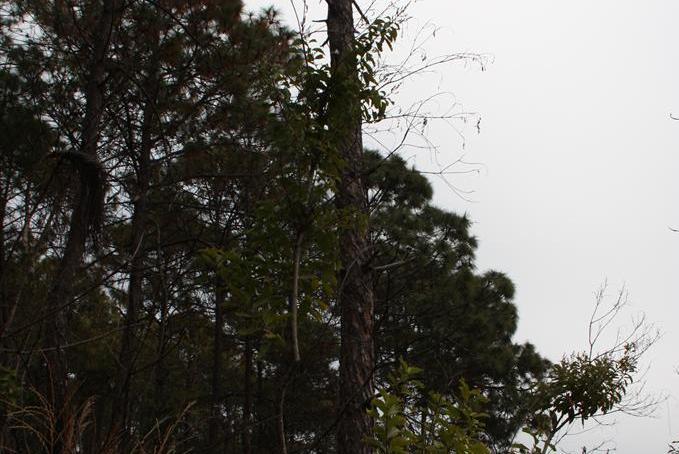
(172, 249)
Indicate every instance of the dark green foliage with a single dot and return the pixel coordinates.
(447, 424)
(435, 312)
(214, 186)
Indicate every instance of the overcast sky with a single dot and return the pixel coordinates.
(579, 161)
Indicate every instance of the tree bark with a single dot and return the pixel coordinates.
(161, 370)
(259, 407)
(215, 438)
(294, 297)
(4, 303)
(135, 297)
(61, 292)
(355, 293)
(247, 401)
(280, 421)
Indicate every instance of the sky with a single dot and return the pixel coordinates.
(578, 160)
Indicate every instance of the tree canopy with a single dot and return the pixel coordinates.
(197, 254)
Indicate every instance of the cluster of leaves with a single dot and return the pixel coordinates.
(446, 425)
(582, 387)
(578, 388)
(381, 33)
(411, 419)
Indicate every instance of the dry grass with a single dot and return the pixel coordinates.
(40, 427)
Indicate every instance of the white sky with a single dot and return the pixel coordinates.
(579, 162)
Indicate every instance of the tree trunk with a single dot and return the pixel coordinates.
(4, 303)
(247, 401)
(355, 293)
(61, 292)
(294, 297)
(261, 427)
(135, 297)
(280, 421)
(161, 370)
(215, 437)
